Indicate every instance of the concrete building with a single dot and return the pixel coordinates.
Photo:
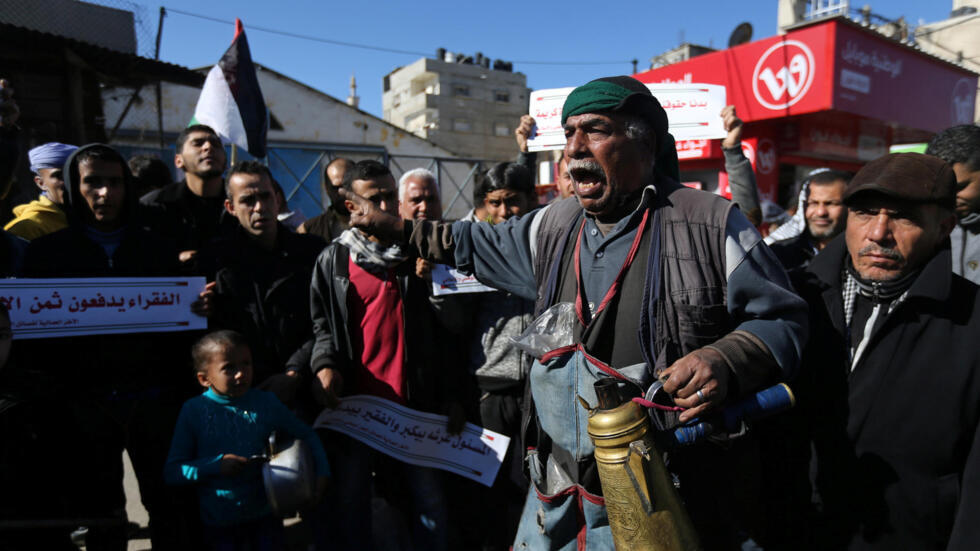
(953, 39)
(681, 53)
(460, 103)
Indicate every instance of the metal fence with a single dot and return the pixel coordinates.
(299, 170)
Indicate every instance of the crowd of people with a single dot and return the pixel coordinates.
(864, 302)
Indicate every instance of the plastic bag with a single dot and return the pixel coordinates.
(554, 328)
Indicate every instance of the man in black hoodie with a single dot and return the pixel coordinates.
(189, 212)
(123, 391)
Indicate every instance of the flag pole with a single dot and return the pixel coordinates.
(234, 154)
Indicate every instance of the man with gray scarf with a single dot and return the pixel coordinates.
(377, 333)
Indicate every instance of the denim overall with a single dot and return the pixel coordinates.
(558, 513)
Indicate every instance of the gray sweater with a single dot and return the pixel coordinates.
(965, 241)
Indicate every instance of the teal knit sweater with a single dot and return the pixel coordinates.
(211, 425)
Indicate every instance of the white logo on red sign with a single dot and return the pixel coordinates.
(963, 102)
(765, 157)
(785, 71)
(748, 151)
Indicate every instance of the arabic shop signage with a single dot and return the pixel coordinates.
(828, 66)
(46, 308)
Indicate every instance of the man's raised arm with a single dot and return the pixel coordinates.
(500, 256)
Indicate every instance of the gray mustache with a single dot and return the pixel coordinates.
(890, 254)
(579, 168)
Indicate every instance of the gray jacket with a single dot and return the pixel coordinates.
(757, 301)
(741, 181)
(965, 245)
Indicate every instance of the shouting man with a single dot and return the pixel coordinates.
(668, 283)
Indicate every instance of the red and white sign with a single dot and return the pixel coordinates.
(783, 74)
(693, 113)
(765, 157)
(878, 78)
(762, 155)
(833, 66)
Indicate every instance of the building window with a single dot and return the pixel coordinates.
(462, 125)
(461, 90)
(501, 129)
(501, 96)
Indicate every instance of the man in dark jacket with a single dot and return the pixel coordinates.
(666, 283)
(189, 212)
(824, 216)
(333, 221)
(894, 367)
(263, 272)
(124, 391)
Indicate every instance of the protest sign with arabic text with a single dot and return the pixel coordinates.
(418, 438)
(47, 308)
(693, 113)
(447, 281)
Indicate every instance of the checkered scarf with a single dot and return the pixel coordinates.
(370, 255)
(895, 291)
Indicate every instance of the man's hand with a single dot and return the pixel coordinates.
(233, 465)
(423, 269)
(9, 112)
(703, 370)
(327, 387)
(457, 418)
(523, 132)
(186, 257)
(367, 217)
(733, 125)
(204, 305)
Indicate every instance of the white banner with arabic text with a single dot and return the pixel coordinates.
(418, 438)
(47, 308)
(693, 113)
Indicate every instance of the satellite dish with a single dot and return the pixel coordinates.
(741, 34)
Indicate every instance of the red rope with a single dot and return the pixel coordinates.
(648, 404)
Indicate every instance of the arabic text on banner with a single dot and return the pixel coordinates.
(693, 112)
(447, 281)
(418, 438)
(47, 308)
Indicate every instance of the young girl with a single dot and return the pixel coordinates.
(219, 444)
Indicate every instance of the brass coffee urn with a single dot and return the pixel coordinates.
(645, 512)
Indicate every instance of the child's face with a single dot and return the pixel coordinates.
(229, 371)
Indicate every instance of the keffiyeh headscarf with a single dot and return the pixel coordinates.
(369, 255)
(796, 224)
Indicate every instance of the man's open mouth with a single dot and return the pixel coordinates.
(588, 177)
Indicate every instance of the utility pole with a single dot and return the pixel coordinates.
(156, 55)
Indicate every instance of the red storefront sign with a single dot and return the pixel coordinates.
(835, 66)
(774, 77)
(877, 78)
(761, 153)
